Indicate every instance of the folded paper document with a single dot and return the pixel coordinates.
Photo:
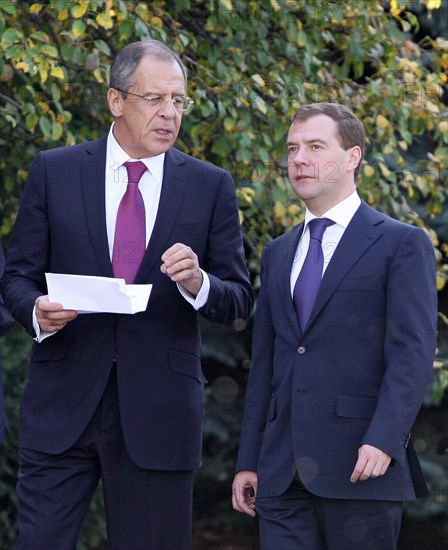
(88, 294)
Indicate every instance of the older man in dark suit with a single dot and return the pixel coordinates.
(120, 397)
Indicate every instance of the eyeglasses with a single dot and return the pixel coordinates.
(156, 101)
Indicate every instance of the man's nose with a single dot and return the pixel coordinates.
(167, 108)
(300, 157)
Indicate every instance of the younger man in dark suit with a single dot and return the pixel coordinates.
(343, 347)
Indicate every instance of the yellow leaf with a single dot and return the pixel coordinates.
(440, 282)
(35, 8)
(403, 145)
(432, 107)
(58, 72)
(156, 22)
(443, 126)
(293, 209)
(227, 4)
(43, 75)
(97, 74)
(382, 121)
(104, 20)
(261, 105)
(368, 171)
(78, 11)
(24, 66)
(279, 210)
(63, 14)
(258, 80)
(384, 170)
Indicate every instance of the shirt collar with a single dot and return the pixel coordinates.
(341, 214)
(116, 157)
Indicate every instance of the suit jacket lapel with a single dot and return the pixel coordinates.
(286, 256)
(92, 174)
(171, 197)
(362, 231)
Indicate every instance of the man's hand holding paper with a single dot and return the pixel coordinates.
(89, 294)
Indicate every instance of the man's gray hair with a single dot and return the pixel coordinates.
(127, 60)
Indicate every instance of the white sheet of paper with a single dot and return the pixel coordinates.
(88, 294)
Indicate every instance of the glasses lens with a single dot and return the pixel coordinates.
(187, 103)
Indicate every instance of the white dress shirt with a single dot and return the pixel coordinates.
(341, 214)
(150, 186)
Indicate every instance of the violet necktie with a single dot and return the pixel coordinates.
(130, 227)
(310, 276)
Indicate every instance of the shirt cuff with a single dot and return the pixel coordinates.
(202, 297)
(40, 334)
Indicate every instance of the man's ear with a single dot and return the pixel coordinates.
(355, 157)
(115, 101)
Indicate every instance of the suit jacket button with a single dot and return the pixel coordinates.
(301, 350)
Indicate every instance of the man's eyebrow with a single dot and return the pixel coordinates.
(308, 141)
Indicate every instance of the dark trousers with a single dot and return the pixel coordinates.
(145, 509)
(298, 520)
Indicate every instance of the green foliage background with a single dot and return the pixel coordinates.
(251, 64)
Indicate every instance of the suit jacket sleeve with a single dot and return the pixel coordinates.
(6, 320)
(230, 295)
(409, 344)
(259, 388)
(27, 259)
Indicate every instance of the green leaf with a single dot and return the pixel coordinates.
(13, 52)
(67, 51)
(40, 36)
(31, 121)
(56, 131)
(51, 51)
(45, 126)
(102, 46)
(10, 36)
(79, 28)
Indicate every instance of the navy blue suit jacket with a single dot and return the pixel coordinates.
(358, 372)
(6, 322)
(61, 228)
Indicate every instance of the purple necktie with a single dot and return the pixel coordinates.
(130, 227)
(310, 276)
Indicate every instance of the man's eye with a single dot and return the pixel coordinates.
(315, 147)
(153, 99)
(291, 150)
(178, 101)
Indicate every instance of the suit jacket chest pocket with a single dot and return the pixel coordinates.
(193, 235)
(359, 283)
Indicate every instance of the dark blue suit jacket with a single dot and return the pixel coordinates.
(61, 228)
(6, 322)
(358, 372)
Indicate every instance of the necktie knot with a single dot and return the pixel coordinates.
(135, 171)
(317, 227)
